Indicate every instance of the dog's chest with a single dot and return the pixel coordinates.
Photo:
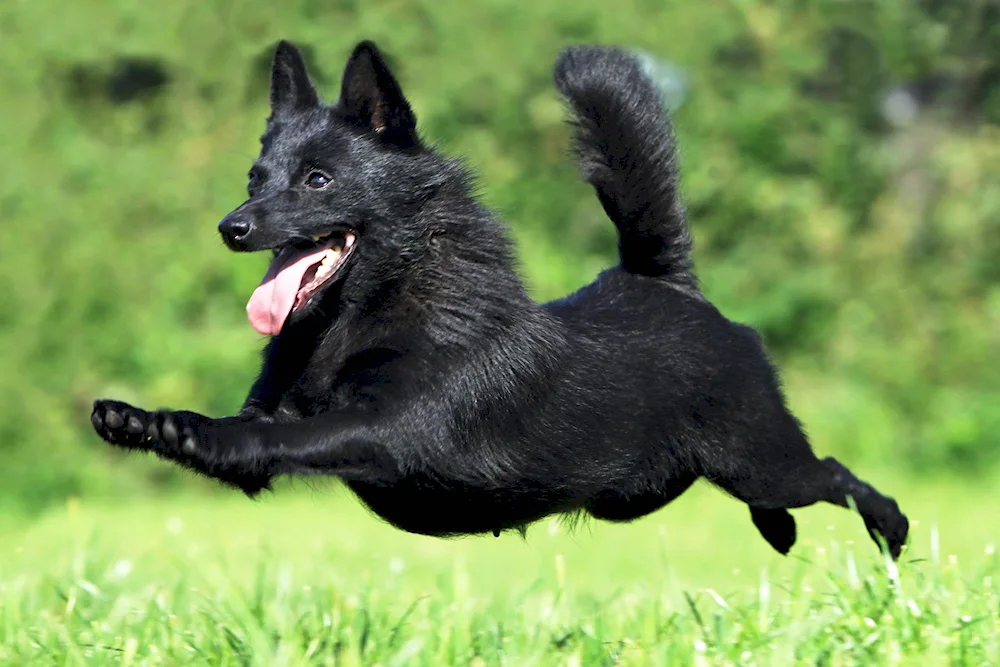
(316, 391)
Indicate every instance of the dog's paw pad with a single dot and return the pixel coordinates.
(113, 420)
(134, 426)
(168, 431)
(119, 423)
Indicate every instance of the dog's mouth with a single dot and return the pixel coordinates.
(295, 276)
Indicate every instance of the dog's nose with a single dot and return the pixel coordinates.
(234, 229)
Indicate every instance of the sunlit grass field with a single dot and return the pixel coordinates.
(306, 576)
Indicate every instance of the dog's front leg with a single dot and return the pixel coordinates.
(220, 448)
(247, 453)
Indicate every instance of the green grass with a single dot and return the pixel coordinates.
(307, 577)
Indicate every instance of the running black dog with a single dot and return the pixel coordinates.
(407, 359)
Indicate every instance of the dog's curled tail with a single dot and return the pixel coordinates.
(625, 145)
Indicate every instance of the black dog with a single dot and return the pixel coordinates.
(407, 359)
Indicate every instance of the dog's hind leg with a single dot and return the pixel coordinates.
(802, 480)
(776, 526)
(881, 514)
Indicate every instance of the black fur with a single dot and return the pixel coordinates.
(449, 401)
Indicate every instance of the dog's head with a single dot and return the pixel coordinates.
(332, 185)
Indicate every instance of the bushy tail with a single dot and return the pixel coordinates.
(625, 146)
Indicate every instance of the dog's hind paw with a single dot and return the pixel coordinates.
(776, 526)
(894, 530)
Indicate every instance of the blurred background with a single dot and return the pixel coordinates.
(841, 164)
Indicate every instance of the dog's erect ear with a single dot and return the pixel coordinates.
(371, 98)
(290, 85)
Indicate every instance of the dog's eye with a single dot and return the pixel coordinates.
(317, 180)
(252, 184)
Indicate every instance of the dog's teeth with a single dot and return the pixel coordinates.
(318, 237)
(330, 257)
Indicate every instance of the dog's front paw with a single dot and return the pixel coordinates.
(120, 423)
(176, 435)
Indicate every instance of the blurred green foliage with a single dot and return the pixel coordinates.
(866, 251)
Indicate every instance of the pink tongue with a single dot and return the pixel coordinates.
(273, 299)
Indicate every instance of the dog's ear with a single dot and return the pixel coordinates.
(291, 88)
(370, 98)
